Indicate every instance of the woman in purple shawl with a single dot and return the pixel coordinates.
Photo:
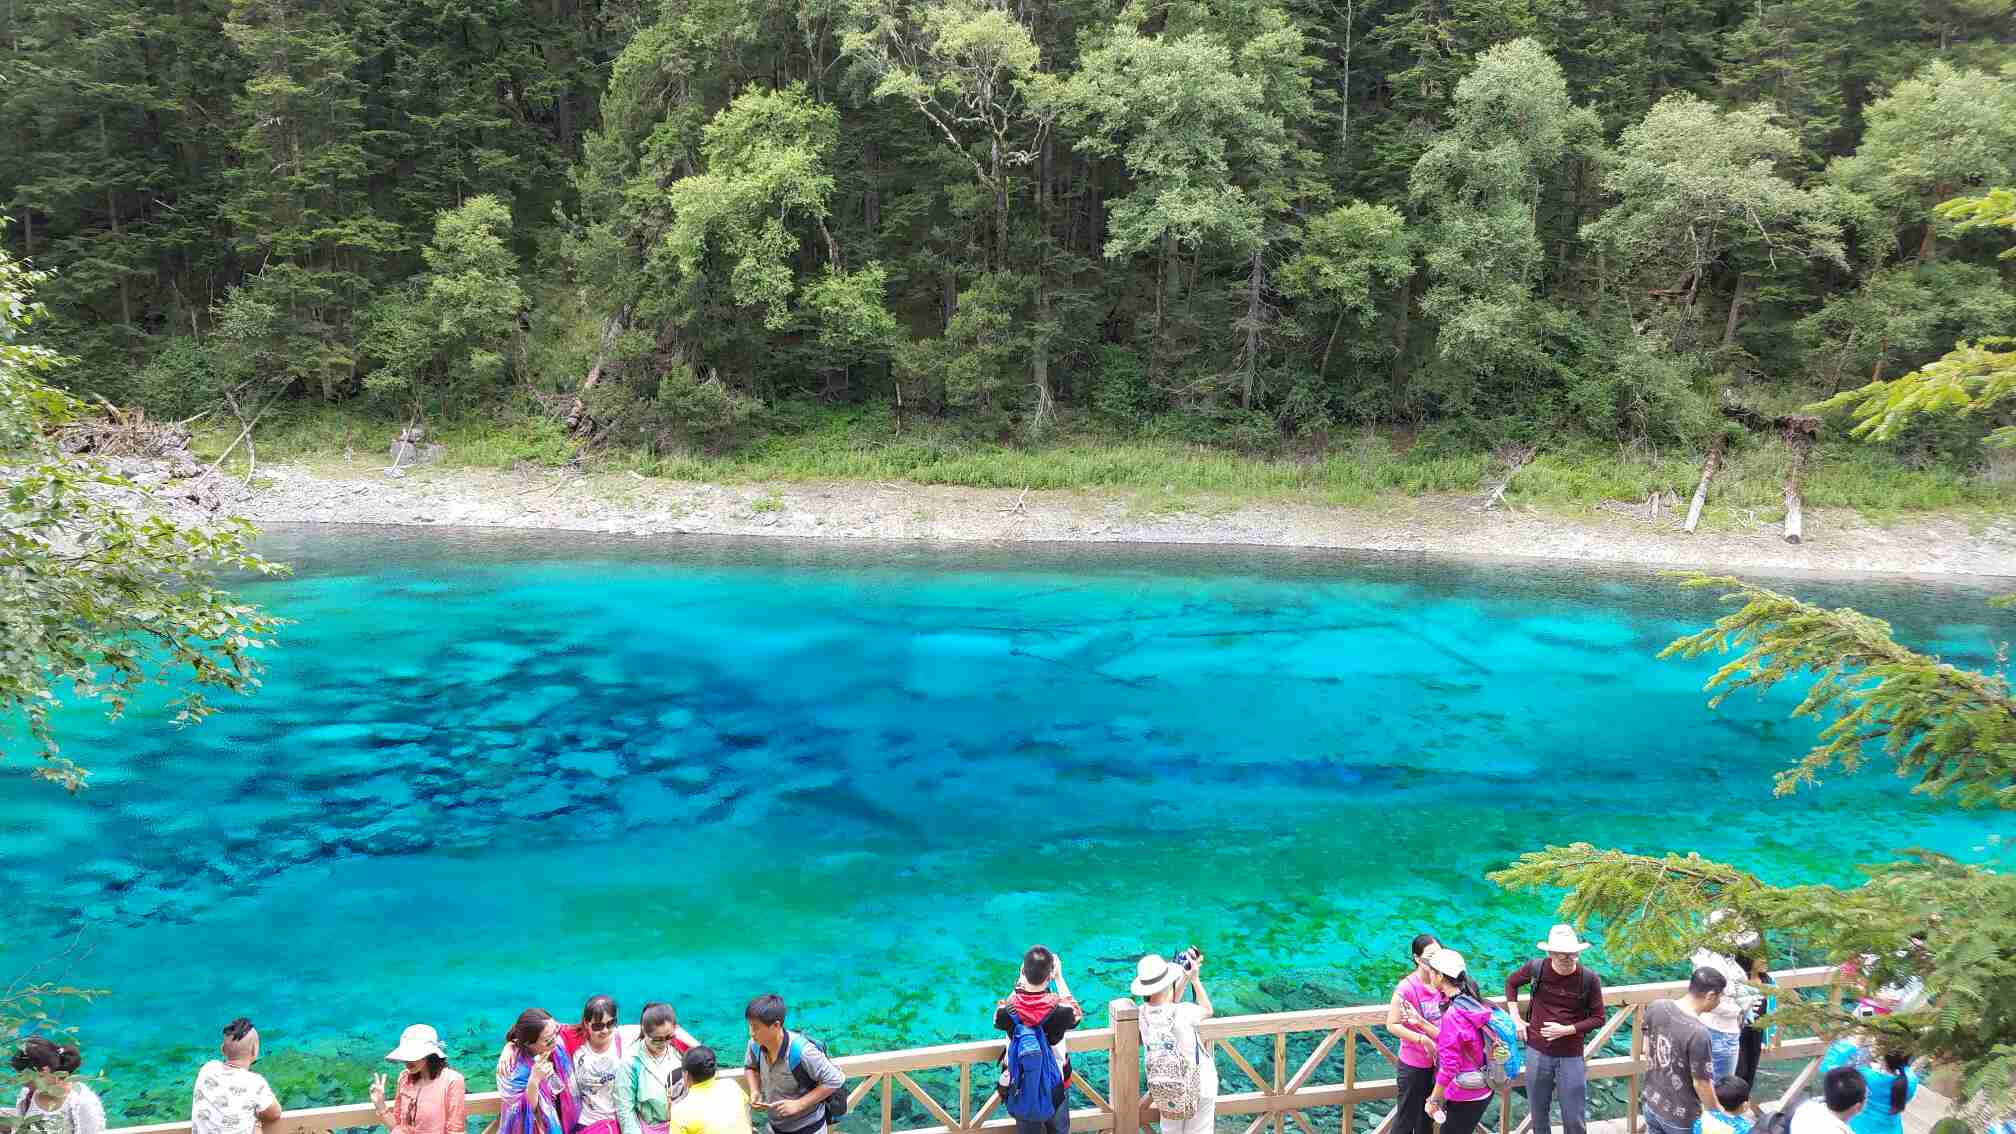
(537, 1083)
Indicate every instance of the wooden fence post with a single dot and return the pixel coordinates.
(1123, 1072)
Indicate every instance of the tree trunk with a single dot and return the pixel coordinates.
(1795, 519)
(1254, 278)
(871, 197)
(1940, 193)
(1344, 105)
(1515, 460)
(577, 414)
(112, 211)
(1401, 328)
(1000, 210)
(1735, 311)
(1046, 400)
(948, 299)
(1162, 286)
(1323, 367)
(1708, 469)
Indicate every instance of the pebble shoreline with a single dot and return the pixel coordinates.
(1837, 541)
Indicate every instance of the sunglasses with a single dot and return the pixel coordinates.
(664, 1039)
(601, 1025)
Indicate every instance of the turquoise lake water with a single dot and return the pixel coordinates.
(488, 771)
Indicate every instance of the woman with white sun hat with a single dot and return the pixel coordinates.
(430, 1097)
(1181, 1074)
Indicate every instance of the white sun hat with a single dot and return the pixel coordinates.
(1562, 939)
(1153, 974)
(1448, 962)
(416, 1043)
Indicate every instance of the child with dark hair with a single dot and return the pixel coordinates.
(1887, 1073)
(1842, 1094)
(1738, 1114)
(712, 1105)
(51, 1101)
(1053, 1011)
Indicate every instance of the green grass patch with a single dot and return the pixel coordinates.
(814, 443)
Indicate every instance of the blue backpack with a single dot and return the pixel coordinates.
(1033, 1075)
(1504, 1057)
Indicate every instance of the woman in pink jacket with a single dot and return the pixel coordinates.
(1461, 1092)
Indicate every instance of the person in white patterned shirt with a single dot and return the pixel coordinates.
(230, 1097)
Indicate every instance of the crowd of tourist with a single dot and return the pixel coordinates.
(1456, 1051)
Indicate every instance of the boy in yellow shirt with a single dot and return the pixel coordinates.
(711, 1105)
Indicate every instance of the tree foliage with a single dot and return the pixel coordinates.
(1610, 210)
(1951, 728)
(98, 601)
(1948, 923)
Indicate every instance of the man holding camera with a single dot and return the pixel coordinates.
(1052, 1011)
(1182, 1076)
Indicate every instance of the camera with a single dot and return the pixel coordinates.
(1187, 957)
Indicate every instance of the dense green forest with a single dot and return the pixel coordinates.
(1250, 223)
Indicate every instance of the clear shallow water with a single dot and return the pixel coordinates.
(493, 770)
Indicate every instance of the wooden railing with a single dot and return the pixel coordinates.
(915, 1078)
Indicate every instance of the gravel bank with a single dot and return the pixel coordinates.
(1441, 525)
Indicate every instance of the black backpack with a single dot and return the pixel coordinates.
(836, 1103)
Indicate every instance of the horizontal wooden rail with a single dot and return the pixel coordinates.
(1283, 1097)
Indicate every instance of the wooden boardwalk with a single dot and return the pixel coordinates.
(1927, 1108)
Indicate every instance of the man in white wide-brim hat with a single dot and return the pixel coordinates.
(1567, 1005)
(1169, 1042)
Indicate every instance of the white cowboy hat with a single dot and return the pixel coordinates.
(416, 1043)
(1448, 962)
(1153, 974)
(1562, 939)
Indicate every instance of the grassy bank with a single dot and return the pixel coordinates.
(1359, 468)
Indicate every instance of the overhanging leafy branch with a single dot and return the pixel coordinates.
(1954, 729)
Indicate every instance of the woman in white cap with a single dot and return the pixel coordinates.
(1461, 1092)
(430, 1096)
(1182, 1075)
